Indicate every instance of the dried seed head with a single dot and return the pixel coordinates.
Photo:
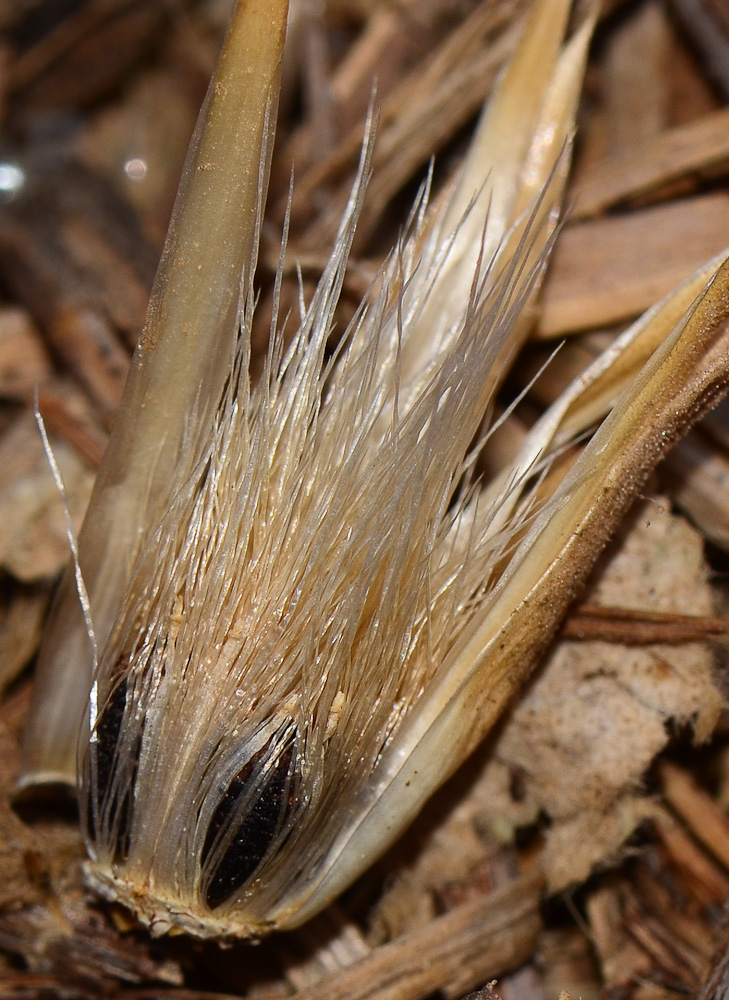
(287, 614)
(327, 612)
(319, 558)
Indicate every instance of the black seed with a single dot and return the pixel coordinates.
(274, 803)
(118, 809)
(108, 730)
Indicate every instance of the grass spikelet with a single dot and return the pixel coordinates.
(326, 610)
(302, 579)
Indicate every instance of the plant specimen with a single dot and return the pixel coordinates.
(305, 607)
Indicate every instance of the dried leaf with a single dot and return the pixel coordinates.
(33, 543)
(600, 712)
(612, 269)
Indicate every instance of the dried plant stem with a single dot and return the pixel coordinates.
(624, 625)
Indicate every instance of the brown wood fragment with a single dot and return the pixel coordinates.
(672, 955)
(637, 628)
(567, 960)
(61, 422)
(331, 942)
(24, 362)
(715, 983)
(418, 116)
(635, 97)
(707, 24)
(33, 542)
(649, 930)
(83, 55)
(22, 615)
(708, 883)
(673, 925)
(393, 40)
(677, 153)
(486, 992)
(394, 37)
(692, 94)
(612, 269)
(143, 151)
(623, 961)
(697, 808)
(454, 953)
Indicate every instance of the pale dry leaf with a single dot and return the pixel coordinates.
(22, 614)
(24, 361)
(597, 714)
(33, 543)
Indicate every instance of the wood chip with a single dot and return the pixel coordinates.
(697, 809)
(707, 24)
(676, 153)
(715, 985)
(680, 955)
(73, 253)
(33, 543)
(24, 361)
(612, 269)
(84, 56)
(416, 119)
(22, 615)
(391, 43)
(62, 422)
(623, 961)
(635, 96)
(708, 882)
(470, 945)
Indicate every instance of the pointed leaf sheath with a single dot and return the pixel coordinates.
(178, 371)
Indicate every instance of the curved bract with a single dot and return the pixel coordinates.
(329, 611)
